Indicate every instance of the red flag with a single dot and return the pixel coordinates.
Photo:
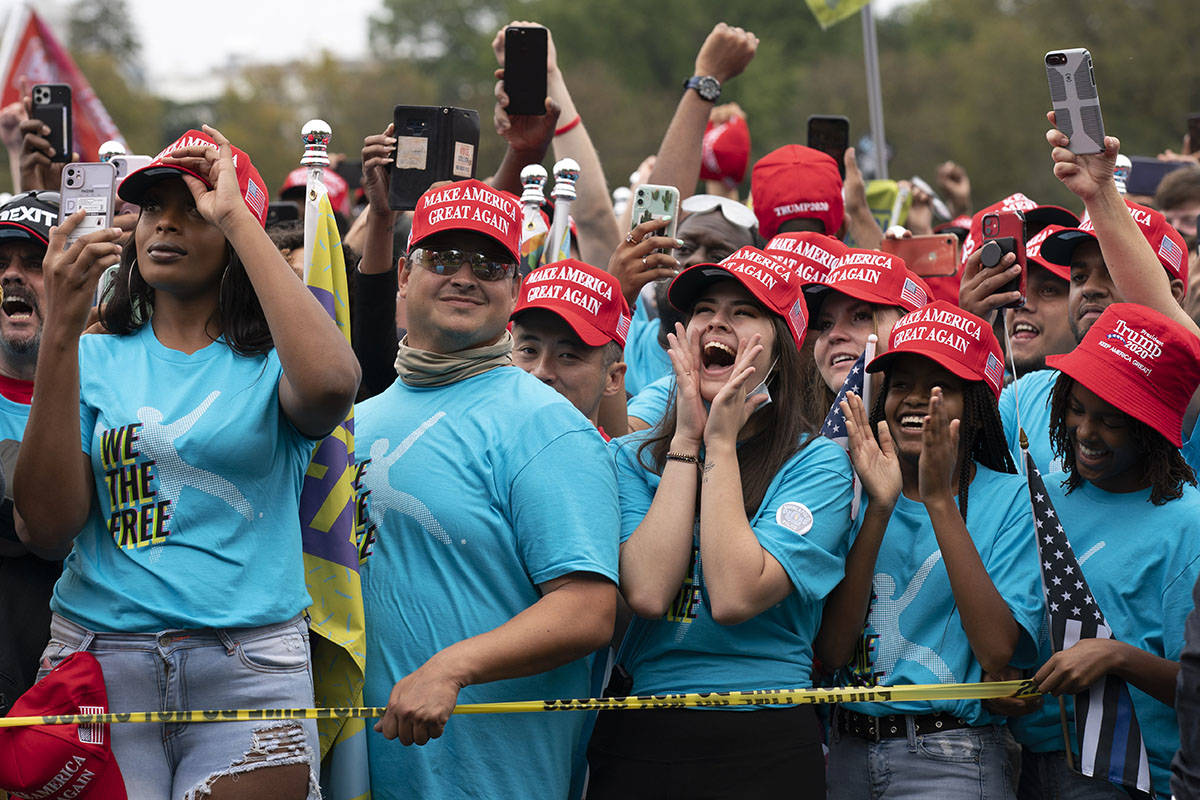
(30, 50)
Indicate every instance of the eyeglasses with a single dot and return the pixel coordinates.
(732, 210)
(449, 262)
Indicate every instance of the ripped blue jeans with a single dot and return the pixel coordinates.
(177, 670)
(962, 764)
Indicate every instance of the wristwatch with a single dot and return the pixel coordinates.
(708, 87)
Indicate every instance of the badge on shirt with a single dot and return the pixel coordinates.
(795, 517)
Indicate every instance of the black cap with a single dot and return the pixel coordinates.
(29, 216)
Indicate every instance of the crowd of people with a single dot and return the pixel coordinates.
(615, 473)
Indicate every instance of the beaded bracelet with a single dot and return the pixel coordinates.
(684, 458)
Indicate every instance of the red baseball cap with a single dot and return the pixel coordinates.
(61, 762)
(1143, 362)
(876, 277)
(958, 340)
(796, 181)
(250, 183)
(1036, 217)
(587, 299)
(810, 255)
(469, 205)
(1033, 252)
(339, 190)
(725, 151)
(765, 277)
(1168, 245)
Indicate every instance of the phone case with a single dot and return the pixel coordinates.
(1007, 230)
(92, 187)
(433, 143)
(124, 165)
(651, 201)
(933, 256)
(52, 105)
(525, 70)
(1075, 99)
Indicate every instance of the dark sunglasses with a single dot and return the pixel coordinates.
(449, 262)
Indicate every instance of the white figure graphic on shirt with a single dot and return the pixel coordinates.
(385, 497)
(157, 441)
(885, 619)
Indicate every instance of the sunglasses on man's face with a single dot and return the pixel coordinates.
(449, 262)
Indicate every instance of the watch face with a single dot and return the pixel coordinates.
(709, 88)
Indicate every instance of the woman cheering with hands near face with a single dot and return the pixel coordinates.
(171, 455)
(734, 526)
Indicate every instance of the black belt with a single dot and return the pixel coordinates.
(894, 726)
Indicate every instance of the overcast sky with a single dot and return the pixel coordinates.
(174, 50)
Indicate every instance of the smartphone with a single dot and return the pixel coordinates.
(933, 256)
(651, 201)
(525, 70)
(1075, 99)
(91, 186)
(433, 143)
(1193, 129)
(125, 164)
(1145, 174)
(1004, 232)
(830, 134)
(52, 105)
(281, 212)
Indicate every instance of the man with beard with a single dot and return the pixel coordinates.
(26, 578)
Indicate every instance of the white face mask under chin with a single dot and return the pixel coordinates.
(761, 389)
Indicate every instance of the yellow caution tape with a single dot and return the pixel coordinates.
(752, 697)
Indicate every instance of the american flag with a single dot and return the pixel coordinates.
(994, 371)
(835, 421)
(912, 293)
(1170, 252)
(1110, 739)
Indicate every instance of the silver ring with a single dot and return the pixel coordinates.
(644, 264)
(629, 238)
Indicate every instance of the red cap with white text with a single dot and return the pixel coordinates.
(469, 205)
(251, 185)
(339, 190)
(1143, 362)
(796, 181)
(1033, 252)
(765, 277)
(809, 254)
(1036, 217)
(57, 762)
(956, 339)
(1166, 242)
(587, 299)
(725, 152)
(877, 277)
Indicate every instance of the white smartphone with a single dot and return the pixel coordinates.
(126, 164)
(91, 186)
(1075, 99)
(651, 201)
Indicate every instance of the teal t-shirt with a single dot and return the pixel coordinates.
(645, 359)
(804, 523)
(914, 633)
(196, 518)
(479, 491)
(1034, 390)
(1140, 562)
(650, 404)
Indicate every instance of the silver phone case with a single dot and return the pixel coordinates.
(92, 187)
(1076, 101)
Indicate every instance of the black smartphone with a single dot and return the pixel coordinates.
(433, 143)
(52, 105)
(1147, 172)
(1193, 129)
(830, 134)
(282, 211)
(525, 70)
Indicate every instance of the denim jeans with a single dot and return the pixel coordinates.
(948, 765)
(176, 670)
(1046, 776)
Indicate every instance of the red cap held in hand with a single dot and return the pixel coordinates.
(62, 762)
(468, 206)
(250, 183)
(725, 152)
(1143, 362)
(587, 299)
(796, 181)
(765, 277)
(956, 339)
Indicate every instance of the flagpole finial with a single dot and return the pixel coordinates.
(111, 148)
(316, 134)
(533, 178)
(1024, 440)
(566, 173)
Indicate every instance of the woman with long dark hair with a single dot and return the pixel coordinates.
(947, 588)
(734, 527)
(196, 419)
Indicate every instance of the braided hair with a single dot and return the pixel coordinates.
(980, 434)
(1161, 462)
